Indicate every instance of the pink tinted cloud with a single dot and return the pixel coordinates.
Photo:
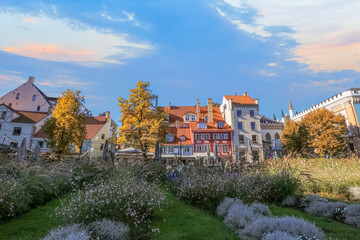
(29, 20)
(53, 52)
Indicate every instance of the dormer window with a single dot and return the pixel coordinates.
(206, 118)
(169, 137)
(18, 96)
(202, 125)
(182, 138)
(187, 118)
(193, 118)
(220, 124)
(34, 97)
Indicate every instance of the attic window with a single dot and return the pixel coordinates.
(182, 138)
(38, 108)
(18, 96)
(34, 97)
(220, 124)
(187, 118)
(202, 125)
(193, 118)
(169, 138)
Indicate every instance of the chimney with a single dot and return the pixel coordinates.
(256, 101)
(107, 116)
(169, 105)
(31, 79)
(210, 111)
(177, 124)
(235, 94)
(246, 94)
(197, 110)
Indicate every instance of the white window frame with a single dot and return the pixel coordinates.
(171, 149)
(193, 117)
(225, 148)
(224, 136)
(207, 136)
(198, 137)
(187, 118)
(217, 136)
(198, 148)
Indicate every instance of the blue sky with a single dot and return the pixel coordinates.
(276, 50)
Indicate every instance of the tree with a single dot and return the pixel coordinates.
(327, 131)
(141, 120)
(66, 127)
(295, 137)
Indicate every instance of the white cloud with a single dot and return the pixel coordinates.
(127, 17)
(11, 79)
(266, 73)
(326, 83)
(47, 38)
(327, 30)
(272, 64)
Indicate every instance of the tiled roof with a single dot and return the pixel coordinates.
(29, 117)
(93, 126)
(178, 132)
(241, 99)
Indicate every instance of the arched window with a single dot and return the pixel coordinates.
(38, 108)
(169, 137)
(277, 136)
(182, 138)
(18, 96)
(34, 97)
(268, 137)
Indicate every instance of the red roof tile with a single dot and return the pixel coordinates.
(178, 132)
(29, 117)
(241, 99)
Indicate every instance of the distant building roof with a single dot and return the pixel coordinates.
(183, 130)
(241, 99)
(29, 117)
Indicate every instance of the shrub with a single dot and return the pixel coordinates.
(261, 209)
(289, 201)
(305, 201)
(278, 235)
(352, 215)
(327, 209)
(121, 197)
(109, 230)
(226, 204)
(293, 226)
(71, 232)
(355, 192)
(239, 216)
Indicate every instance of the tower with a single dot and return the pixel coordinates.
(291, 110)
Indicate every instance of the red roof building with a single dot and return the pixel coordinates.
(196, 130)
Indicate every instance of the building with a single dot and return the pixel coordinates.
(346, 103)
(241, 113)
(197, 131)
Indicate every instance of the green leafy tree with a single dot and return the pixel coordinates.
(66, 127)
(141, 120)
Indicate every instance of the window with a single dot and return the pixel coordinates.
(225, 148)
(38, 108)
(206, 118)
(34, 97)
(17, 131)
(0, 126)
(198, 136)
(252, 125)
(187, 118)
(14, 144)
(10, 105)
(18, 96)
(169, 138)
(102, 136)
(216, 136)
(251, 112)
(268, 137)
(186, 150)
(202, 125)
(207, 136)
(220, 124)
(193, 118)
(3, 115)
(277, 136)
(41, 144)
(224, 136)
(241, 139)
(240, 125)
(199, 148)
(182, 138)
(171, 149)
(238, 113)
(102, 147)
(254, 138)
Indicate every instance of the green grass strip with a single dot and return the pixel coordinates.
(182, 221)
(331, 228)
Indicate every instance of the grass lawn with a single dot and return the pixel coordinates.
(332, 229)
(34, 224)
(182, 221)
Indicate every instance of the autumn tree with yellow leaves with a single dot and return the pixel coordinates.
(141, 119)
(66, 127)
(320, 131)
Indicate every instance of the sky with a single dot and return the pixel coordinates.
(303, 51)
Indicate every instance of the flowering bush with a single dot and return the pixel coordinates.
(355, 192)
(308, 199)
(71, 232)
(261, 209)
(352, 215)
(121, 197)
(289, 201)
(279, 235)
(239, 216)
(294, 227)
(226, 204)
(334, 210)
